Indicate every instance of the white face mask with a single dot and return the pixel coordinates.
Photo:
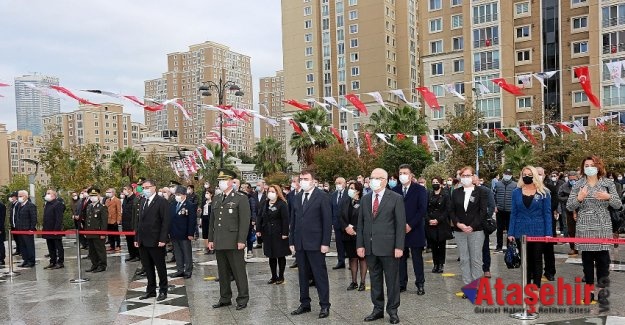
(122, 196)
(146, 193)
(160, 194)
(94, 199)
(82, 195)
(172, 190)
(223, 185)
(75, 197)
(189, 191)
(272, 196)
(48, 198)
(351, 192)
(178, 198)
(217, 191)
(507, 177)
(339, 187)
(375, 184)
(206, 186)
(20, 199)
(466, 181)
(306, 185)
(293, 186)
(404, 178)
(109, 195)
(11, 200)
(554, 179)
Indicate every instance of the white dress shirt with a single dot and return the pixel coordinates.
(467, 195)
(380, 195)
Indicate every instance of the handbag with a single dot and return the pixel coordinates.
(512, 257)
(252, 235)
(490, 225)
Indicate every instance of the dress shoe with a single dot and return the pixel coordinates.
(394, 319)
(177, 274)
(47, 255)
(280, 280)
(16, 254)
(241, 306)
(420, 290)
(187, 276)
(29, 265)
(361, 287)
(99, 269)
(488, 275)
(272, 281)
(352, 286)
(23, 264)
(148, 296)
(324, 312)
(91, 269)
(312, 283)
(441, 268)
(339, 266)
(301, 310)
(549, 277)
(2, 263)
(142, 273)
(139, 270)
(374, 316)
(402, 289)
(222, 304)
(50, 266)
(161, 296)
(59, 266)
(435, 268)
(293, 266)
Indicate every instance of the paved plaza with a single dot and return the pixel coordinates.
(39, 296)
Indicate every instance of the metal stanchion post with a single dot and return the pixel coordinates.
(78, 258)
(11, 273)
(524, 315)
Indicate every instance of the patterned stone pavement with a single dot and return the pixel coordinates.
(39, 296)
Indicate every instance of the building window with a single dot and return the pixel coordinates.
(307, 11)
(582, 22)
(355, 85)
(580, 47)
(353, 2)
(523, 56)
(613, 96)
(580, 97)
(523, 32)
(307, 24)
(310, 77)
(309, 64)
(613, 15)
(436, 25)
(438, 114)
(456, 21)
(436, 47)
(456, 3)
(490, 107)
(310, 91)
(353, 43)
(522, 9)
(353, 15)
(524, 103)
(486, 37)
(437, 68)
(353, 29)
(355, 71)
(308, 38)
(459, 65)
(578, 2)
(353, 57)
(438, 90)
(309, 51)
(459, 86)
(486, 61)
(436, 4)
(458, 43)
(485, 13)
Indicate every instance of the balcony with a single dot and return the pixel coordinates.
(613, 48)
(486, 66)
(486, 42)
(615, 21)
(485, 18)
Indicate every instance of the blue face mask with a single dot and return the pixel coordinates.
(392, 183)
(572, 182)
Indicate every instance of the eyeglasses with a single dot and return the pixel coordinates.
(469, 175)
(378, 178)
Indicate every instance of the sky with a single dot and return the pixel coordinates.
(116, 45)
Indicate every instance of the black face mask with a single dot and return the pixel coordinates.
(436, 187)
(528, 180)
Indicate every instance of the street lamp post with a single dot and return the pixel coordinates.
(220, 87)
(477, 137)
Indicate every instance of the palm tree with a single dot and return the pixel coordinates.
(127, 161)
(517, 157)
(269, 157)
(210, 169)
(405, 120)
(303, 145)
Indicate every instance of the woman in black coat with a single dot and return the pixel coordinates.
(437, 228)
(206, 214)
(349, 220)
(273, 226)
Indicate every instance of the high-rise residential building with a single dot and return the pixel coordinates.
(464, 42)
(185, 73)
(338, 47)
(270, 97)
(106, 125)
(5, 156)
(21, 150)
(31, 105)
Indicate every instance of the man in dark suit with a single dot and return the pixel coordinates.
(309, 239)
(295, 189)
(181, 231)
(415, 203)
(12, 217)
(227, 234)
(380, 236)
(339, 197)
(53, 221)
(79, 216)
(151, 236)
(260, 195)
(26, 219)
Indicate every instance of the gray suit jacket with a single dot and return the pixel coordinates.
(380, 236)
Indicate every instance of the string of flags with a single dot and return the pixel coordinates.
(189, 165)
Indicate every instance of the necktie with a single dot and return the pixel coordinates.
(178, 206)
(376, 205)
(405, 190)
(340, 196)
(305, 199)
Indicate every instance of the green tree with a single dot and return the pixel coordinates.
(302, 145)
(517, 157)
(279, 178)
(438, 169)
(245, 158)
(404, 152)
(269, 157)
(405, 120)
(128, 162)
(156, 167)
(210, 169)
(334, 161)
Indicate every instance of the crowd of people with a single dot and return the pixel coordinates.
(378, 223)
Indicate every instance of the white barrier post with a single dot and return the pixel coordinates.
(11, 273)
(78, 258)
(524, 315)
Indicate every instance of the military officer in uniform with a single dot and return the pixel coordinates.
(96, 218)
(227, 235)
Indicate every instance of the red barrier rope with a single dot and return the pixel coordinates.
(576, 240)
(72, 232)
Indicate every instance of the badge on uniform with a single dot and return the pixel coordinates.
(472, 199)
(230, 211)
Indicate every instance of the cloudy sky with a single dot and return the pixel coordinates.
(116, 45)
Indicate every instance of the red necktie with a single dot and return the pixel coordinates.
(376, 205)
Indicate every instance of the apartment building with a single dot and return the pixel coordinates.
(270, 97)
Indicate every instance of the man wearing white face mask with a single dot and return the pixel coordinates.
(96, 218)
(181, 232)
(26, 219)
(503, 199)
(227, 234)
(339, 197)
(53, 221)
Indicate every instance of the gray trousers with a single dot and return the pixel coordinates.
(384, 269)
(470, 250)
(230, 262)
(184, 257)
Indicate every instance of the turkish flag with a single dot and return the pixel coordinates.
(296, 127)
(500, 134)
(401, 136)
(487, 42)
(297, 104)
(584, 80)
(529, 135)
(357, 103)
(429, 97)
(336, 134)
(514, 90)
(368, 141)
(424, 142)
